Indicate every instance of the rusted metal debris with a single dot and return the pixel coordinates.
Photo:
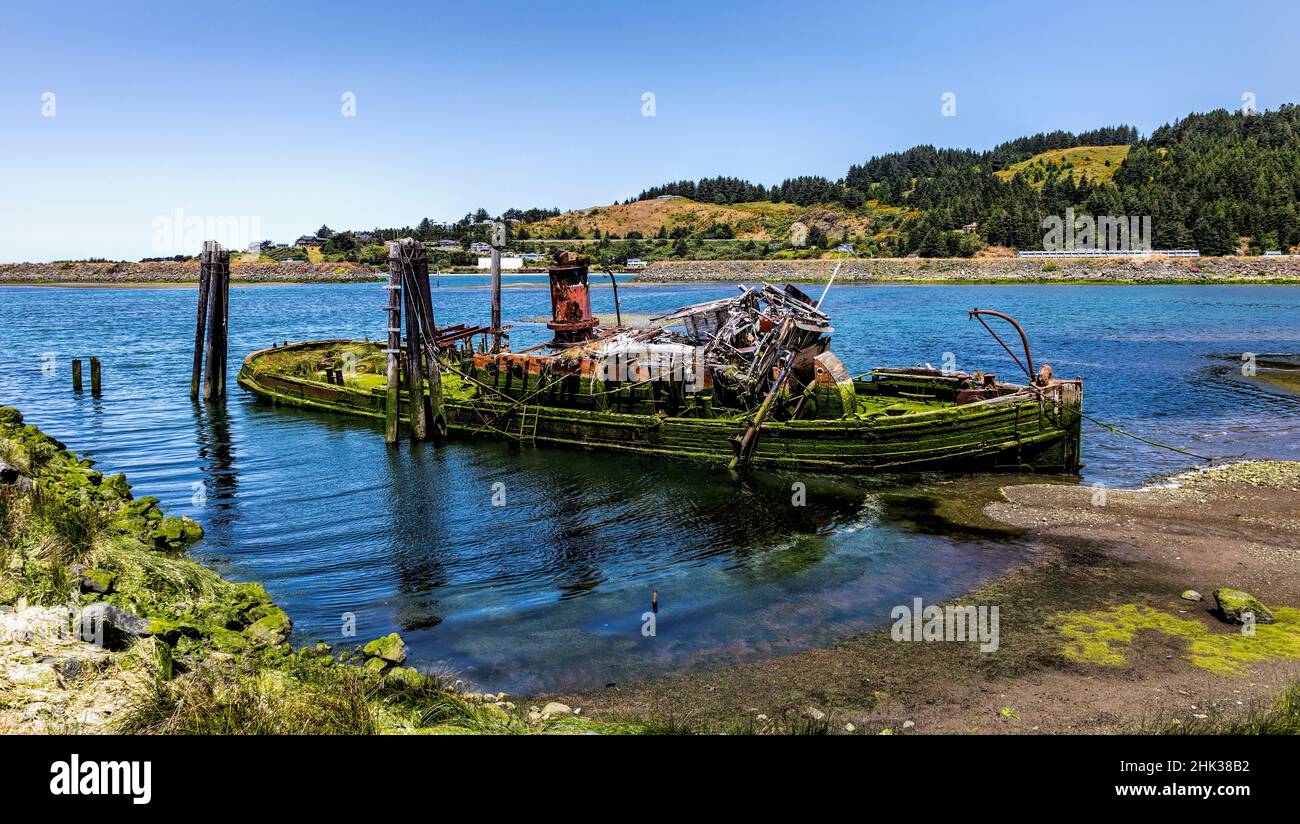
(571, 299)
(1024, 340)
(749, 339)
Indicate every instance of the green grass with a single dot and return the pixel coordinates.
(1098, 163)
(223, 699)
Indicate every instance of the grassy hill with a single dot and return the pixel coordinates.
(760, 220)
(1098, 163)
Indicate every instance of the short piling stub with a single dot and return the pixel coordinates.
(76, 374)
(95, 383)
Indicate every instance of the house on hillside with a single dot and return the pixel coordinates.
(309, 240)
(969, 228)
(507, 262)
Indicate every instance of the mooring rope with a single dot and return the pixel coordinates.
(1119, 431)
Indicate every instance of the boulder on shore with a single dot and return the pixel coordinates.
(112, 621)
(1234, 604)
(390, 648)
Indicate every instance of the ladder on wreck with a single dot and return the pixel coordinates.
(528, 418)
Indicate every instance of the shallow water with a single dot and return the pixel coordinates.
(549, 590)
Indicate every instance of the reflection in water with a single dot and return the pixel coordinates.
(216, 452)
(548, 591)
(418, 535)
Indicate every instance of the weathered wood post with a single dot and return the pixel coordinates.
(200, 328)
(435, 421)
(394, 348)
(412, 255)
(76, 374)
(95, 384)
(496, 299)
(217, 261)
(223, 347)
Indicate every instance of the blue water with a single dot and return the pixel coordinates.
(549, 590)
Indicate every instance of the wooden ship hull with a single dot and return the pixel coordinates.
(897, 420)
(746, 380)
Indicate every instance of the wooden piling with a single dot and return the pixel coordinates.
(217, 261)
(76, 374)
(394, 348)
(200, 328)
(496, 299)
(435, 420)
(413, 302)
(95, 384)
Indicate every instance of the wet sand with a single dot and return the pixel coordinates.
(1235, 526)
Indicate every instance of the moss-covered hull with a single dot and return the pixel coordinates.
(1030, 430)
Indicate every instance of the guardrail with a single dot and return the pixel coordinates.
(1101, 253)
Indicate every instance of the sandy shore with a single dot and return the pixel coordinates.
(1107, 567)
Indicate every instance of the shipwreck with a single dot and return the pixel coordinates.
(747, 380)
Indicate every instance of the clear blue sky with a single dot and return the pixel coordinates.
(233, 109)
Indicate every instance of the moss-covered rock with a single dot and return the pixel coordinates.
(229, 641)
(156, 655)
(404, 675)
(95, 580)
(172, 630)
(390, 648)
(272, 626)
(1234, 604)
(115, 487)
(169, 533)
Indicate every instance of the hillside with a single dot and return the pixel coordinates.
(1097, 163)
(1218, 182)
(681, 216)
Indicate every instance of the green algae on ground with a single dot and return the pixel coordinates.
(1105, 637)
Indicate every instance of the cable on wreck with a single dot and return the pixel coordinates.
(1119, 431)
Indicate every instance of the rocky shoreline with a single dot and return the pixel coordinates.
(982, 270)
(106, 627)
(124, 273)
(857, 270)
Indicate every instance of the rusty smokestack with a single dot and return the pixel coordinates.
(571, 317)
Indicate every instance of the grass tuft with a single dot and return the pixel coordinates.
(219, 699)
(1280, 717)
